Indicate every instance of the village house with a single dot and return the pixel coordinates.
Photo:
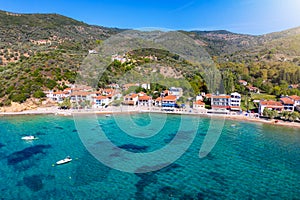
(131, 99)
(288, 104)
(220, 102)
(178, 92)
(146, 86)
(120, 58)
(253, 89)
(169, 101)
(81, 96)
(57, 96)
(100, 101)
(296, 100)
(293, 86)
(108, 91)
(271, 105)
(225, 102)
(235, 101)
(144, 100)
(93, 52)
(242, 82)
(198, 105)
(166, 101)
(158, 101)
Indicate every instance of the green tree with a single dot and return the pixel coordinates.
(266, 112)
(276, 90)
(285, 115)
(273, 114)
(66, 103)
(293, 116)
(39, 94)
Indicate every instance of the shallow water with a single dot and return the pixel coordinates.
(249, 161)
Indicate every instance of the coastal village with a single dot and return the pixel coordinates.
(170, 100)
(144, 97)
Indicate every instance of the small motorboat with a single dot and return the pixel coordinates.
(29, 137)
(63, 161)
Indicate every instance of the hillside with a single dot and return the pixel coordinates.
(27, 34)
(44, 51)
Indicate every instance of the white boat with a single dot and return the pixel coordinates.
(29, 137)
(66, 160)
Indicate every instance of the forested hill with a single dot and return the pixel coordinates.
(43, 51)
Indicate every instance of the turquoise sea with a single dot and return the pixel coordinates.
(249, 161)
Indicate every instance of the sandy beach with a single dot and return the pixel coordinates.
(128, 110)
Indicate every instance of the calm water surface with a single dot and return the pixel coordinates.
(249, 161)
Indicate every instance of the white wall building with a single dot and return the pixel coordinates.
(178, 92)
(235, 101)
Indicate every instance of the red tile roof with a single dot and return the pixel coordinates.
(158, 99)
(222, 96)
(295, 97)
(271, 103)
(100, 97)
(170, 98)
(109, 90)
(199, 102)
(286, 100)
(144, 98)
(59, 92)
(80, 93)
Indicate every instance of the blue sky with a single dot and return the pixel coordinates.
(241, 16)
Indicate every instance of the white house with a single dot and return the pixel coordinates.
(288, 104)
(220, 102)
(296, 100)
(178, 92)
(271, 105)
(80, 96)
(199, 97)
(131, 99)
(93, 52)
(199, 105)
(144, 100)
(100, 101)
(145, 86)
(58, 96)
(235, 101)
(242, 82)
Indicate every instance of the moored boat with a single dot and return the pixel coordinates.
(29, 137)
(63, 161)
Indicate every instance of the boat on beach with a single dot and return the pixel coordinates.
(63, 161)
(29, 137)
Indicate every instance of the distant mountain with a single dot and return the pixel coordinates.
(223, 42)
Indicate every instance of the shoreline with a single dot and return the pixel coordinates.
(129, 110)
